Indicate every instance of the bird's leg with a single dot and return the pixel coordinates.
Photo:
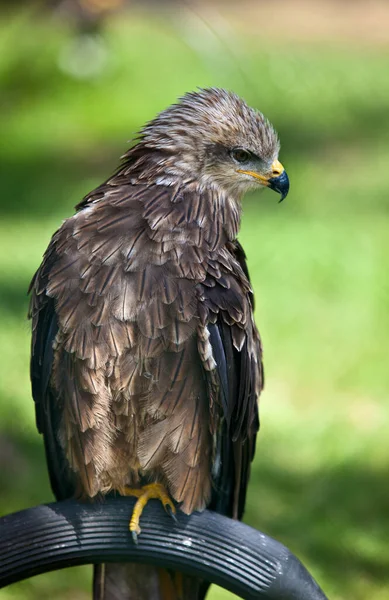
(144, 494)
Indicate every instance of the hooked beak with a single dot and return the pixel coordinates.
(280, 184)
(277, 180)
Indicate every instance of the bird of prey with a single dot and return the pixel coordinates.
(146, 363)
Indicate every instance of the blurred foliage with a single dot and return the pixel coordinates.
(69, 101)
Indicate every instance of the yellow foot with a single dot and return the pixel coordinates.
(144, 494)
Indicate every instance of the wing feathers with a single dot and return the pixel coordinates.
(236, 350)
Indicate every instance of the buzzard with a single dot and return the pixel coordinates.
(146, 364)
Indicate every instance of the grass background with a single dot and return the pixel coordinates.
(319, 261)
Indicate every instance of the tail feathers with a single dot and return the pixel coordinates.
(129, 581)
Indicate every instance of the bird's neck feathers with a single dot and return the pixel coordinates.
(153, 162)
(158, 162)
(211, 206)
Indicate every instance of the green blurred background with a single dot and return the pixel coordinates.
(76, 82)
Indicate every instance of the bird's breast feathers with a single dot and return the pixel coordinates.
(135, 277)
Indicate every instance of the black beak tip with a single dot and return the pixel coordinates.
(280, 184)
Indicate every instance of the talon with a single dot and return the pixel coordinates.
(171, 511)
(144, 494)
(134, 527)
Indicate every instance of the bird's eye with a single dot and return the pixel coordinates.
(240, 155)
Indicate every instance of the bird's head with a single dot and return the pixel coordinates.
(213, 137)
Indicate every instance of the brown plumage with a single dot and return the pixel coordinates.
(146, 362)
